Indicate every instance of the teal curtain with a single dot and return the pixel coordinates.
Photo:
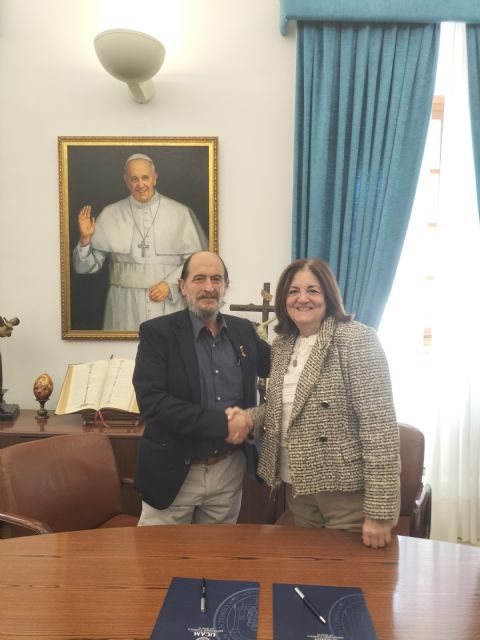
(363, 103)
(473, 52)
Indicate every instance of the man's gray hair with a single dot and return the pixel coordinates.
(139, 156)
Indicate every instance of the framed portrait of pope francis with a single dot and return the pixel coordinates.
(131, 212)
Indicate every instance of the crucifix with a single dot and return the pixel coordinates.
(143, 246)
(265, 308)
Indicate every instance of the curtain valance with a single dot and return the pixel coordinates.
(411, 11)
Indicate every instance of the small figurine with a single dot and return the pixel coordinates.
(6, 326)
(42, 390)
(7, 411)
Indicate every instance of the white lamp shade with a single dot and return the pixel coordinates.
(131, 56)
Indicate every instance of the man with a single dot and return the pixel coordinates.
(148, 237)
(190, 367)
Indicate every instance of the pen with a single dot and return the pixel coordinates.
(203, 599)
(307, 602)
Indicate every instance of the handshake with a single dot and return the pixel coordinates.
(239, 425)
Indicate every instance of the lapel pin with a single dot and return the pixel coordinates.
(242, 351)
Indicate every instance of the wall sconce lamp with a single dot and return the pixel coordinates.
(133, 57)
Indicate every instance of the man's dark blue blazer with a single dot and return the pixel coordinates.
(167, 385)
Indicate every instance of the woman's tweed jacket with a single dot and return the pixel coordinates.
(343, 434)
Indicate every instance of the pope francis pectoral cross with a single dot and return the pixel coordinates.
(143, 246)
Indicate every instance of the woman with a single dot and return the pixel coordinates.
(328, 427)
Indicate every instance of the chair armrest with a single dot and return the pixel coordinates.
(424, 495)
(421, 516)
(37, 526)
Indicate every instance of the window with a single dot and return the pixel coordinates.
(426, 329)
(428, 195)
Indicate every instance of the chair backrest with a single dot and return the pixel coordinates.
(412, 450)
(70, 482)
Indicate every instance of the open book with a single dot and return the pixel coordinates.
(101, 386)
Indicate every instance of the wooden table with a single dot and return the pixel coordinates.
(111, 583)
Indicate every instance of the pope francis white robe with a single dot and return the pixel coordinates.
(147, 243)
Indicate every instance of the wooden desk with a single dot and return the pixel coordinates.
(28, 427)
(124, 442)
(257, 506)
(111, 583)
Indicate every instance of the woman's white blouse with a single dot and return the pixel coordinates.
(301, 352)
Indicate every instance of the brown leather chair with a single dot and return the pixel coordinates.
(60, 483)
(416, 497)
(260, 504)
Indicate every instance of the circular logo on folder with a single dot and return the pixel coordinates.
(348, 616)
(237, 615)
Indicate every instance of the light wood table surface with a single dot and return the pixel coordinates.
(111, 583)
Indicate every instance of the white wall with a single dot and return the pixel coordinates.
(228, 73)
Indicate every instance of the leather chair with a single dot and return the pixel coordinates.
(416, 497)
(260, 503)
(60, 483)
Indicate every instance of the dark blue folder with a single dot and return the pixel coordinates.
(232, 611)
(343, 608)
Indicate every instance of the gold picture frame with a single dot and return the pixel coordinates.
(91, 173)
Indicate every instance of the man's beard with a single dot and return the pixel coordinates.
(205, 314)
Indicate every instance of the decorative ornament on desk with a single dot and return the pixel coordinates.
(42, 390)
(7, 411)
